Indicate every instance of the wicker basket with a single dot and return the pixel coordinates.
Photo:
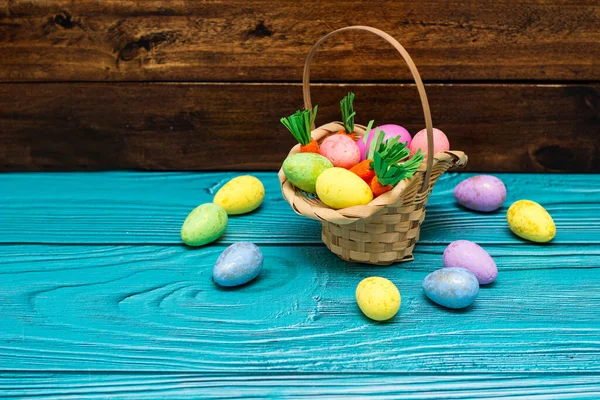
(385, 230)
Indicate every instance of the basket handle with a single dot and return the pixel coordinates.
(413, 70)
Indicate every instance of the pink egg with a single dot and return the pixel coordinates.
(440, 142)
(340, 150)
(390, 132)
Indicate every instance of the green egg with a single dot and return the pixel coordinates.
(303, 169)
(206, 223)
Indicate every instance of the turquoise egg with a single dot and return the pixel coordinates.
(238, 264)
(451, 287)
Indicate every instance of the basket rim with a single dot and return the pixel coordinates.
(322, 212)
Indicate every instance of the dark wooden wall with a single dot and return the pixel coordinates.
(178, 85)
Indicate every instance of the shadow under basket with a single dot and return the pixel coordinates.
(386, 230)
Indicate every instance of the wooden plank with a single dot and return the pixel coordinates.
(155, 308)
(141, 207)
(292, 386)
(249, 40)
(177, 126)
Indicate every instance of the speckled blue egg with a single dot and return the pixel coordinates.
(238, 264)
(451, 287)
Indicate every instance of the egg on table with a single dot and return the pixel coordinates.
(470, 256)
(530, 221)
(481, 193)
(390, 132)
(340, 150)
(378, 298)
(303, 169)
(419, 141)
(205, 224)
(451, 287)
(340, 188)
(238, 264)
(240, 195)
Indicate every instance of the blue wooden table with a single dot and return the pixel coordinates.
(99, 298)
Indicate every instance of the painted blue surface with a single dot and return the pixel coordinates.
(129, 207)
(99, 298)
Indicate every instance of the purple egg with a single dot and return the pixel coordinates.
(472, 257)
(481, 193)
(390, 132)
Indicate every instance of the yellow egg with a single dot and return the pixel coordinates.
(530, 221)
(240, 195)
(340, 188)
(378, 298)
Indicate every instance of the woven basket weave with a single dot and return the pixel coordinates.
(385, 230)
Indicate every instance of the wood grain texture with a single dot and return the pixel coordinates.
(298, 386)
(89, 319)
(149, 208)
(155, 308)
(250, 40)
(85, 126)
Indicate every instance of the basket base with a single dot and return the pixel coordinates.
(393, 245)
(364, 258)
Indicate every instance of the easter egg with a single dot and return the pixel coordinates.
(238, 264)
(390, 132)
(240, 195)
(303, 169)
(451, 287)
(530, 221)
(481, 193)
(472, 257)
(205, 224)
(378, 298)
(440, 142)
(340, 150)
(340, 188)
